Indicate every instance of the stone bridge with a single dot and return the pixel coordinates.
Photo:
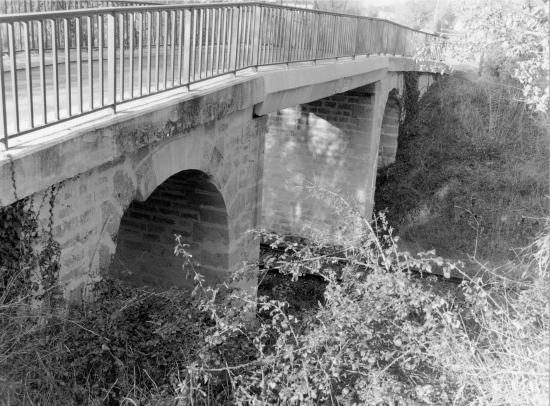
(208, 163)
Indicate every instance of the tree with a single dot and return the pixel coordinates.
(511, 36)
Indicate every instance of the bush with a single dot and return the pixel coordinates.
(124, 345)
(384, 334)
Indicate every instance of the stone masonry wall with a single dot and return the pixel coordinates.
(221, 160)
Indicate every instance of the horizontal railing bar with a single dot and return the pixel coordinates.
(166, 7)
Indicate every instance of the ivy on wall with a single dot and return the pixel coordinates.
(29, 255)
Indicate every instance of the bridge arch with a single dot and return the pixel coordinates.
(187, 204)
(389, 131)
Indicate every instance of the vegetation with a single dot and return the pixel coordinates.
(381, 334)
(471, 176)
(367, 325)
(512, 36)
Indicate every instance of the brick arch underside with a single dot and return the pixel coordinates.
(187, 204)
(390, 130)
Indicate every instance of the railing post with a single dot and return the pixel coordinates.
(187, 46)
(234, 37)
(111, 59)
(256, 37)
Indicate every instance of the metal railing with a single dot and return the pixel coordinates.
(33, 6)
(90, 59)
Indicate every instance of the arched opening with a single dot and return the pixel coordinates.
(186, 204)
(390, 130)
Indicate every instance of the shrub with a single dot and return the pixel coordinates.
(383, 335)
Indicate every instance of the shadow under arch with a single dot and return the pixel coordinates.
(188, 204)
(390, 129)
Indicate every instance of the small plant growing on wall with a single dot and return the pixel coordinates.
(29, 255)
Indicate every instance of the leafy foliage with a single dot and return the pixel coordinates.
(513, 36)
(381, 335)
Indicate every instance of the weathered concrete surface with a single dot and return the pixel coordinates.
(102, 166)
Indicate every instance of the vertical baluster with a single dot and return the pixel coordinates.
(100, 59)
(234, 40)
(241, 34)
(173, 45)
(55, 73)
(246, 32)
(140, 55)
(327, 37)
(263, 36)
(42, 70)
(150, 22)
(67, 65)
(218, 34)
(290, 38)
(276, 27)
(186, 18)
(249, 33)
(200, 14)
(212, 38)
(301, 35)
(121, 33)
(28, 72)
(223, 39)
(238, 38)
(157, 58)
(192, 54)
(131, 17)
(265, 29)
(297, 37)
(271, 35)
(207, 13)
(111, 59)
(254, 36)
(180, 45)
(90, 62)
(281, 23)
(211, 42)
(79, 63)
(336, 41)
(307, 37)
(165, 56)
(3, 117)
